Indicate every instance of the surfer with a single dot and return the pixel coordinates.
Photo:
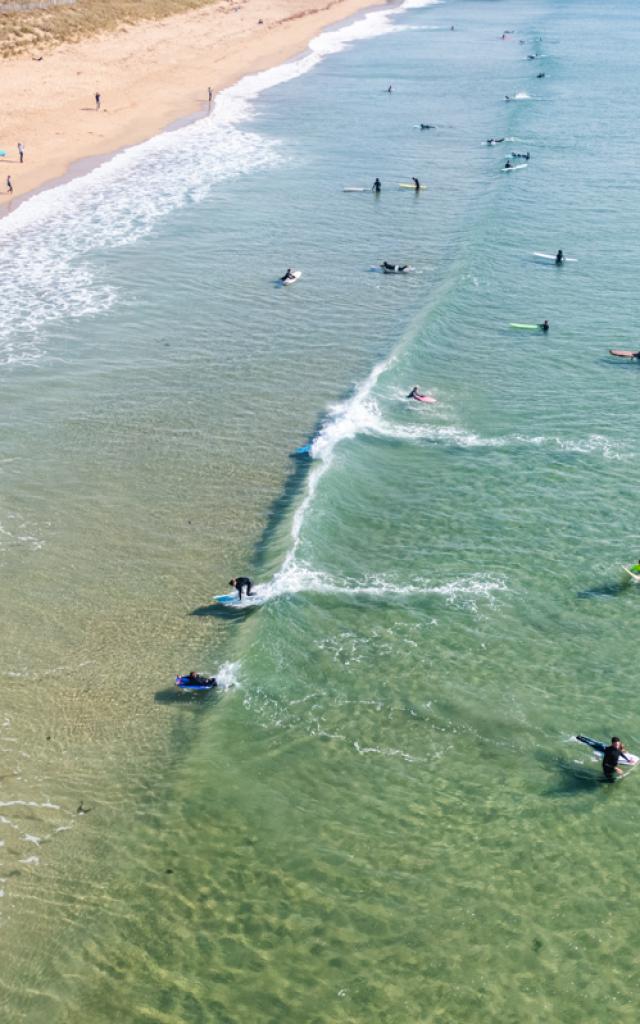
(377, 185)
(507, 98)
(492, 142)
(545, 326)
(393, 268)
(194, 679)
(241, 583)
(416, 183)
(610, 758)
(541, 75)
(390, 89)
(508, 165)
(288, 276)
(415, 392)
(559, 258)
(426, 126)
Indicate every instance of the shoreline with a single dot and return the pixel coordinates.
(60, 136)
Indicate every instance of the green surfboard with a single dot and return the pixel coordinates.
(526, 327)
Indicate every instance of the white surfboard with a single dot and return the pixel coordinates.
(516, 167)
(295, 276)
(548, 256)
(355, 188)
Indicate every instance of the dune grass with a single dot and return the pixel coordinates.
(38, 30)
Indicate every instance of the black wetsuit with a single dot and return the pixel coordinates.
(610, 762)
(243, 583)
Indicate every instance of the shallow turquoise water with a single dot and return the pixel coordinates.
(385, 818)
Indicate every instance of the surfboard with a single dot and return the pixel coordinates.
(397, 269)
(635, 576)
(356, 188)
(405, 184)
(599, 748)
(516, 167)
(526, 327)
(548, 256)
(233, 601)
(183, 683)
(622, 353)
(297, 274)
(424, 398)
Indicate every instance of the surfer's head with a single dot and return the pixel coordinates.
(615, 741)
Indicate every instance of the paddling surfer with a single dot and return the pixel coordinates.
(289, 276)
(415, 392)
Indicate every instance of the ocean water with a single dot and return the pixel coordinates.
(381, 816)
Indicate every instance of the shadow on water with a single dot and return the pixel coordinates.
(605, 590)
(189, 698)
(234, 615)
(574, 780)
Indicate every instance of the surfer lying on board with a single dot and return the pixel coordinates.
(394, 268)
(377, 185)
(541, 75)
(415, 392)
(522, 156)
(288, 276)
(195, 680)
(423, 126)
(610, 758)
(492, 142)
(241, 583)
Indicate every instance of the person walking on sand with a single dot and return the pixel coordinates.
(21, 152)
(98, 98)
(210, 91)
(9, 183)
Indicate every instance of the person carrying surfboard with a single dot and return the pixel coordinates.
(559, 257)
(377, 185)
(610, 758)
(545, 326)
(241, 583)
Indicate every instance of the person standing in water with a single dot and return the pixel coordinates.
(241, 583)
(559, 257)
(610, 758)
(377, 185)
(416, 183)
(545, 326)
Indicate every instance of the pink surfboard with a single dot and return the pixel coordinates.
(425, 398)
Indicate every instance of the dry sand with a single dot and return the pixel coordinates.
(148, 75)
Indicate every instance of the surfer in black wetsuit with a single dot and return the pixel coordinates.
(541, 75)
(545, 326)
(610, 759)
(194, 679)
(241, 583)
(377, 185)
(415, 392)
(559, 258)
(416, 183)
(424, 126)
(288, 276)
(508, 165)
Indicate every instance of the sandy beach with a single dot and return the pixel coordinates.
(148, 76)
